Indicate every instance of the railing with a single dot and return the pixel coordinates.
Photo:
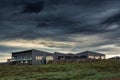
(22, 59)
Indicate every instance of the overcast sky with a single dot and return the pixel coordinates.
(68, 26)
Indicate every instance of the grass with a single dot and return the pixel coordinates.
(102, 70)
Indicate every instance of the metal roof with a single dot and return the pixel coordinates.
(90, 53)
(30, 51)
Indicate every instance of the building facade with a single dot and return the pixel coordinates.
(31, 57)
(41, 57)
(91, 55)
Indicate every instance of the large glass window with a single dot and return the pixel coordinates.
(91, 57)
(97, 57)
(102, 57)
(38, 57)
(49, 58)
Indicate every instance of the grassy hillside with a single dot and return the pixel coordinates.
(103, 70)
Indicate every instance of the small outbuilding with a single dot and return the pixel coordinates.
(115, 58)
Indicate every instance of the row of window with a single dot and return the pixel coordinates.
(47, 57)
(97, 57)
(39, 57)
(16, 58)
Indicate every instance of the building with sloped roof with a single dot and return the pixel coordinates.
(31, 57)
(91, 55)
(41, 57)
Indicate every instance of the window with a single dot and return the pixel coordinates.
(102, 57)
(38, 57)
(49, 58)
(83, 57)
(60, 57)
(91, 57)
(97, 57)
(21, 62)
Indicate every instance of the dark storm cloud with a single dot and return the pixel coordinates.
(60, 20)
(8, 49)
(62, 17)
(112, 19)
(34, 7)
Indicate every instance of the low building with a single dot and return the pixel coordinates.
(86, 55)
(115, 58)
(91, 55)
(31, 57)
(41, 57)
(65, 57)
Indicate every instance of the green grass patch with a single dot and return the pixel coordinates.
(101, 70)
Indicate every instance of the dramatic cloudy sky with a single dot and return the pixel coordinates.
(59, 25)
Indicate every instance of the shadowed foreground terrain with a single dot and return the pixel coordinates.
(102, 70)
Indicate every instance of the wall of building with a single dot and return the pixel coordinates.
(40, 57)
(22, 56)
